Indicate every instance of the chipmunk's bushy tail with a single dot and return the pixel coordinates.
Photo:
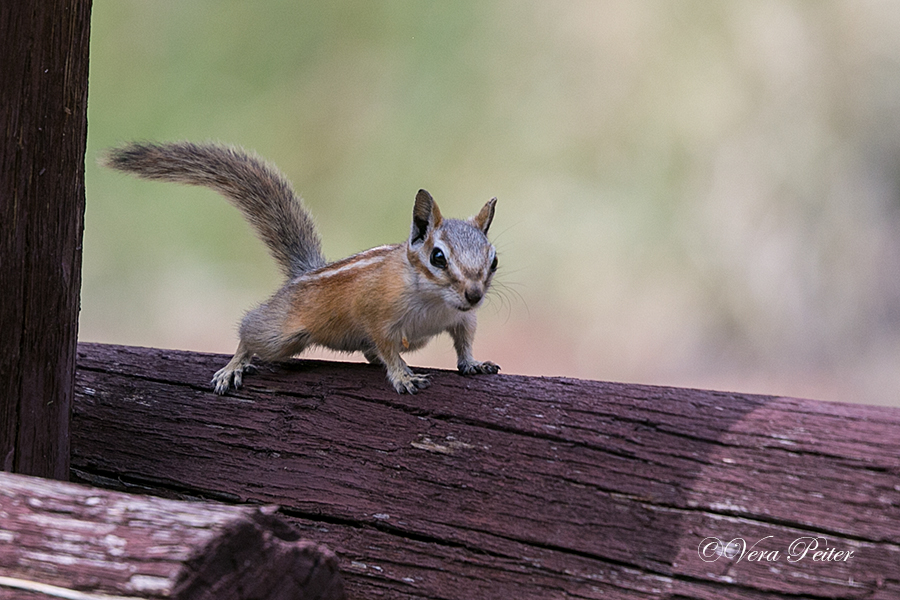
(259, 190)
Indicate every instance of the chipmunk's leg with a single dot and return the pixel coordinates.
(257, 338)
(463, 333)
(372, 357)
(398, 372)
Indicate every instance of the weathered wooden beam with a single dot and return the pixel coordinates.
(43, 118)
(67, 540)
(514, 487)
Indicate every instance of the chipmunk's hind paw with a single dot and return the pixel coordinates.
(232, 375)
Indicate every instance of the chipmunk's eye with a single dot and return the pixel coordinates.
(438, 259)
(494, 264)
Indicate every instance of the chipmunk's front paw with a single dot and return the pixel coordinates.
(476, 367)
(409, 382)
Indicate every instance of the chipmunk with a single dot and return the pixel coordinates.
(381, 302)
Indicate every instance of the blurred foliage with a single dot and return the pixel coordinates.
(690, 193)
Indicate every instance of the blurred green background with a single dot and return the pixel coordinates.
(690, 193)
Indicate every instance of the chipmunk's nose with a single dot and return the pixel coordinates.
(474, 296)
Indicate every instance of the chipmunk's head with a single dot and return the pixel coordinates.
(454, 257)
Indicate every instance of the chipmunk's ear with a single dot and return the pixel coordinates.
(483, 219)
(426, 217)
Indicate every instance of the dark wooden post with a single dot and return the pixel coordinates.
(43, 119)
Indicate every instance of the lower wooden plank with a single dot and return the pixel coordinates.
(489, 487)
(84, 543)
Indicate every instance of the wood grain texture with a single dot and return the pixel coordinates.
(43, 117)
(84, 540)
(508, 486)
